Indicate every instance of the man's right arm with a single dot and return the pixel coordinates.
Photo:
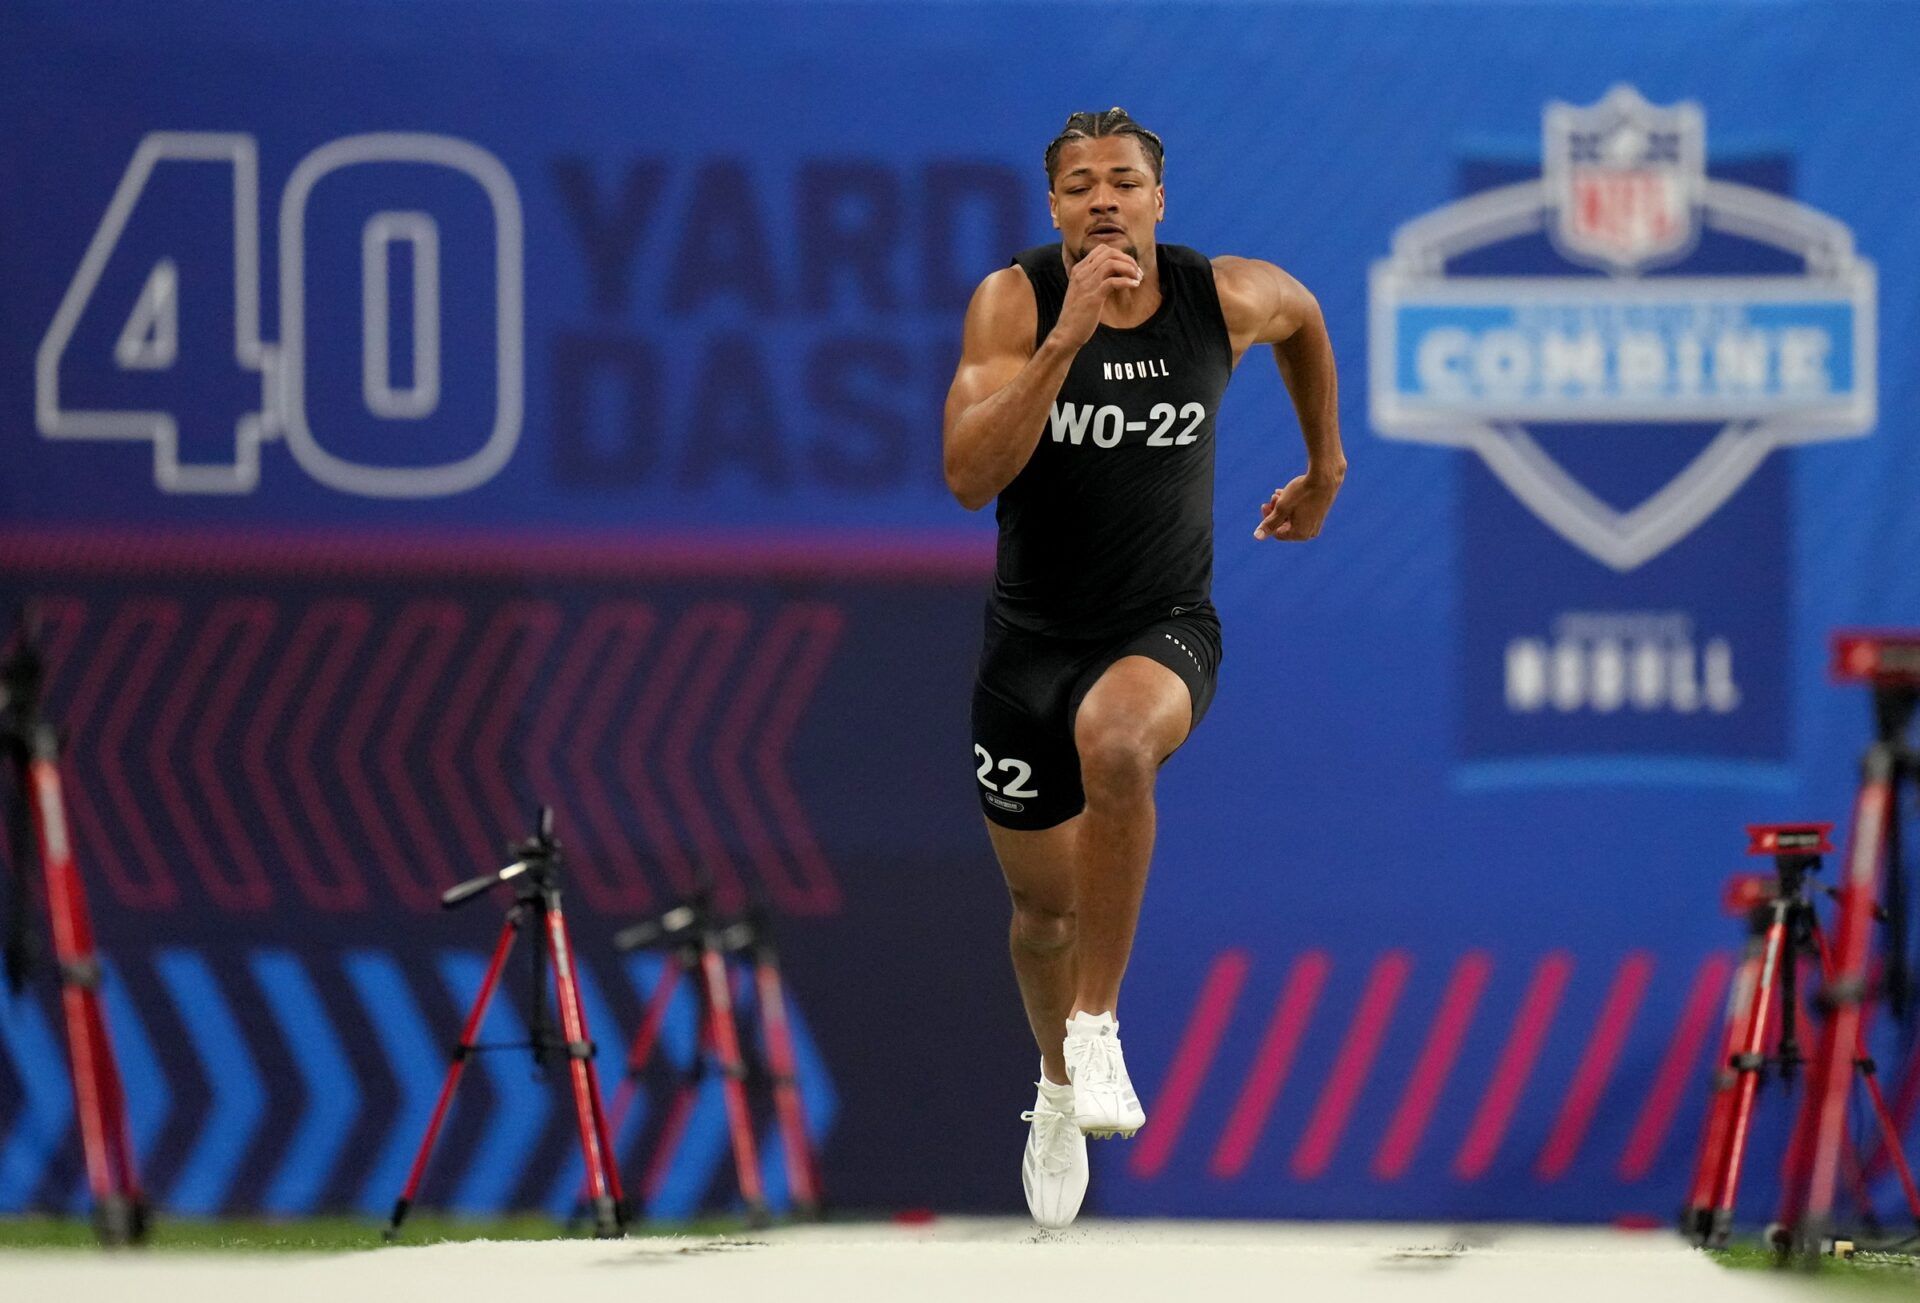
(1002, 390)
(1005, 385)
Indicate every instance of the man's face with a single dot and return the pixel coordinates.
(1104, 193)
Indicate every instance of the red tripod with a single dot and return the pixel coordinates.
(535, 875)
(1766, 1007)
(38, 824)
(1889, 663)
(699, 947)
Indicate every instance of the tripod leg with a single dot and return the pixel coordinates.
(1845, 994)
(89, 1106)
(716, 987)
(1747, 1063)
(97, 1093)
(1793, 1164)
(609, 1155)
(469, 1034)
(1857, 1182)
(18, 955)
(1901, 1104)
(1696, 1221)
(788, 1106)
(119, 1128)
(1899, 980)
(1889, 1135)
(679, 1109)
(603, 1183)
(646, 1037)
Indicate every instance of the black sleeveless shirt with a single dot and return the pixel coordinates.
(1109, 526)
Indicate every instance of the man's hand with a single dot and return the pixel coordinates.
(1092, 279)
(1294, 514)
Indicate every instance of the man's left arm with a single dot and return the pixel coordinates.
(1264, 305)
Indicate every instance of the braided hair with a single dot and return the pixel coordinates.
(1113, 122)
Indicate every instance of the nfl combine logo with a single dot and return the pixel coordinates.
(1775, 359)
(1623, 337)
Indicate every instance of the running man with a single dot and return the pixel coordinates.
(1090, 374)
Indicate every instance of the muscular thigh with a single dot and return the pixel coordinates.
(1025, 768)
(1160, 681)
(1136, 705)
(1038, 700)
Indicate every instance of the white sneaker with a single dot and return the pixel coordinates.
(1054, 1168)
(1104, 1104)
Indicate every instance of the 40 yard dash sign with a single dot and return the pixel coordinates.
(163, 315)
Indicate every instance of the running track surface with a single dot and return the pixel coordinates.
(950, 1259)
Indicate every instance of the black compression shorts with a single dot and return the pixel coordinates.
(1029, 690)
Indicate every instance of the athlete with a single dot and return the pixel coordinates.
(1090, 374)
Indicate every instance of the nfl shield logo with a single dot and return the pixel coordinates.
(1625, 178)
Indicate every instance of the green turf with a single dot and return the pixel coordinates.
(319, 1234)
(1897, 1272)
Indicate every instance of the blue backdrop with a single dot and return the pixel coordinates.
(414, 410)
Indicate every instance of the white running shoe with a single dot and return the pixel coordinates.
(1104, 1104)
(1054, 1168)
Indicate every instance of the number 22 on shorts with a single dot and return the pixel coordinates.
(1020, 770)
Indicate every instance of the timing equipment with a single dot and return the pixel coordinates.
(699, 945)
(38, 825)
(535, 878)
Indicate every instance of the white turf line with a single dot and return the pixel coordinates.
(991, 1261)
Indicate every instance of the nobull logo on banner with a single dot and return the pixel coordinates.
(1623, 338)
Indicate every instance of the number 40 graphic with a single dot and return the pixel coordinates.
(150, 339)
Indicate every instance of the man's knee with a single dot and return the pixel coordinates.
(1117, 764)
(1041, 930)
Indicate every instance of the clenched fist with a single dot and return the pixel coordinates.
(1092, 279)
